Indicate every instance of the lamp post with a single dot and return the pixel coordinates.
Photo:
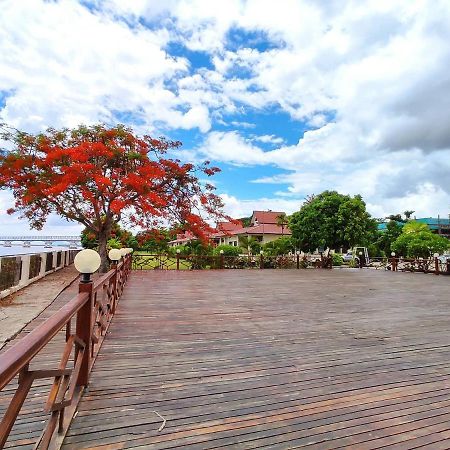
(221, 259)
(178, 258)
(361, 262)
(114, 255)
(436, 263)
(261, 259)
(87, 262)
(393, 262)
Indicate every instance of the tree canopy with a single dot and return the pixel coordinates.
(387, 237)
(249, 244)
(99, 176)
(417, 240)
(280, 246)
(331, 220)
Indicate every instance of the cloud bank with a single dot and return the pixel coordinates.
(367, 82)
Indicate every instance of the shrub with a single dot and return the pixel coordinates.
(337, 259)
(228, 250)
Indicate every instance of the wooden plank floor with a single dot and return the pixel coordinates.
(273, 359)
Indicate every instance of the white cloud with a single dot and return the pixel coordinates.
(232, 148)
(370, 77)
(269, 139)
(243, 208)
(66, 64)
(13, 226)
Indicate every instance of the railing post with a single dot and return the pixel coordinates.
(178, 261)
(261, 261)
(114, 287)
(221, 261)
(84, 331)
(394, 264)
(436, 265)
(298, 261)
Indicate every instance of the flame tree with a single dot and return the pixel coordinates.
(99, 175)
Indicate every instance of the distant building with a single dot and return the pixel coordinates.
(182, 239)
(263, 227)
(437, 225)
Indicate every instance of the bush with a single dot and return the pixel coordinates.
(278, 247)
(337, 259)
(228, 250)
(114, 243)
(422, 243)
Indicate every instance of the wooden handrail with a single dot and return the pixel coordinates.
(93, 308)
(101, 281)
(19, 355)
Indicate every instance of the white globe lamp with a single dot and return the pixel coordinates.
(114, 254)
(87, 262)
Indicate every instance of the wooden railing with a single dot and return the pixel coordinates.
(198, 262)
(425, 265)
(91, 311)
(147, 261)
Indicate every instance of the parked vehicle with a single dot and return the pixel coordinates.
(357, 251)
(353, 254)
(444, 258)
(347, 257)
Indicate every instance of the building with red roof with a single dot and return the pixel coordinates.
(265, 226)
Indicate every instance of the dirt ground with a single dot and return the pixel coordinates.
(18, 309)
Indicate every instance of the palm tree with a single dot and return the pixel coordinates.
(247, 242)
(408, 214)
(282, 221)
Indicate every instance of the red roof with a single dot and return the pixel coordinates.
(264, 228)
(266, 224)
(266, 216)
(229, 226)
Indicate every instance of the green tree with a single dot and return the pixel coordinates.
(408, 213)
(249, 244)
(114, 243)
(396, 217)
(245, 221)
(415, 227)
(417, 240)
(280, 246)
(332, 220)
(199, 248)
(88, 239)
(155, 241)
(282, 221)
(387, 237)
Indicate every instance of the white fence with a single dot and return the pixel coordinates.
(19, 271)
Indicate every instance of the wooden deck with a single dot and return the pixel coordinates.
(272, 359)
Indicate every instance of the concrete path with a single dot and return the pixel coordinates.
(20, 308)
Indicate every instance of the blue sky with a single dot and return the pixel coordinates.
(289, 98)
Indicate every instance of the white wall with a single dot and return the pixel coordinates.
(24, 276)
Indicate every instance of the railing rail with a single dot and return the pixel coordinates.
(92, 310)
(148, 261)
(18, 356)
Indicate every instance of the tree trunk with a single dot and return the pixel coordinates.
(103, 237)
